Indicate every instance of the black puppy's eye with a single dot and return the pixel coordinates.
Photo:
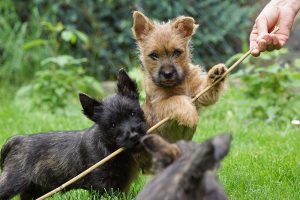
(132, 114)
(113, 125)
(177, 53)
(154, 56)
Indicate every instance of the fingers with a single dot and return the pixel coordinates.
(262, 26)
(275, 13)
(269, 42)
(253, 41)
(264, 40)
(255, 52)
(260, 39)
(275, 42)
(285, 25)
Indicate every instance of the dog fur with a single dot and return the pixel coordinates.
(35, 164)
(185, 169)
(171, 80)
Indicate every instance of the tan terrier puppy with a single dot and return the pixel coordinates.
(171, 80)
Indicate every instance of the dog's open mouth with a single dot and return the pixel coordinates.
(161, 82)
(168, 83)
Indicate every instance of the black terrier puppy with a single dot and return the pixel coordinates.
(35, 164)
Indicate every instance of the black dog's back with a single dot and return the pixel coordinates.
(36, 152)
(14, 141)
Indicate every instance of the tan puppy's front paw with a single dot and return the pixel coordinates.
(216, 72)
(188, 119)
(187, 114)
(179, 108)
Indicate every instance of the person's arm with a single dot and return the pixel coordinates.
(279, 13)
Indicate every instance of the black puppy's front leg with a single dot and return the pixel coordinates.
(11, 183)
(27, 196)
(32, 192)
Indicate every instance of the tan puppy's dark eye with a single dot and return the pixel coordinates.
(177, 53)
(113, 125)
(154, 56)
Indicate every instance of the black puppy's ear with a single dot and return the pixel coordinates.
(164, 153)
(89, 104)
(126, 86)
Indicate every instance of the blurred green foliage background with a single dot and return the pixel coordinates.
(99, 30)
(50, 50)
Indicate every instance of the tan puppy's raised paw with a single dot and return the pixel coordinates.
(179, 108)
(216, 72)
(187, 115)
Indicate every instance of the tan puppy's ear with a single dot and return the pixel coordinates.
(185, 26)
(142, 26)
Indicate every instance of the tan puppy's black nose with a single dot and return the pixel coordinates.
(168, 72)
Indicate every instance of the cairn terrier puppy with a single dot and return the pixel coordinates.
(35, 164)
(185, 170)
(171, 80)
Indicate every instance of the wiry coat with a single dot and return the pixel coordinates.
(171, 80)
(185, 170)
(35, 164)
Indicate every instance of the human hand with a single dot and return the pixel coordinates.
(279, 13)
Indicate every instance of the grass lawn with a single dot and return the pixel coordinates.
(264, 162)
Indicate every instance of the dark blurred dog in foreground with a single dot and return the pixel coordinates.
(185, 170)
(35, 164)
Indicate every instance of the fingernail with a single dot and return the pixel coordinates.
(255, 52)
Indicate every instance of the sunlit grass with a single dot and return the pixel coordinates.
(264, 161)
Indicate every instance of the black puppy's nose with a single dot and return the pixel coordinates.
(132, 133)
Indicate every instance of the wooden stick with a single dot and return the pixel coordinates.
(118, 151)
(82, 174)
